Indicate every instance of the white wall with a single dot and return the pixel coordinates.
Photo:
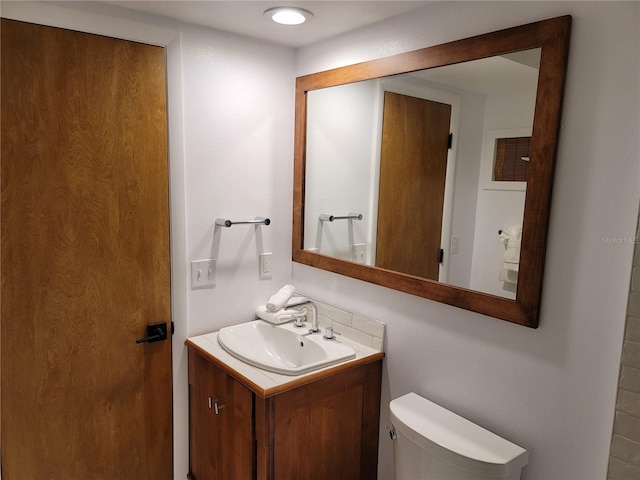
(468, 143)
(552, 390)
(238, 136)
(238, 118)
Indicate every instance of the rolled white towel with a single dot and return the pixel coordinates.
(280, 298)
(296, 300)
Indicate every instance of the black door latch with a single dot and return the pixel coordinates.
(156, 332)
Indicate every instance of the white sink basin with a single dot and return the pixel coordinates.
(282, 349)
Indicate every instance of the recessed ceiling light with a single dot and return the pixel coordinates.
(288, 15)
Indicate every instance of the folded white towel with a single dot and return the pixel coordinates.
(280, 298)
(279, 316)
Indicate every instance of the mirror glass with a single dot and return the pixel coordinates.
(430, 172)
(451, 234)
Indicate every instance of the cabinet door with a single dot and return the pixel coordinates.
(220, 423)
(329, 429)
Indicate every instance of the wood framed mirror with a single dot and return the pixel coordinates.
(548, 41)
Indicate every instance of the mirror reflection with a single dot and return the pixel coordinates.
(424, 173)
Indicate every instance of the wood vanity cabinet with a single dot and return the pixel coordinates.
(320, 427)
(220, 423)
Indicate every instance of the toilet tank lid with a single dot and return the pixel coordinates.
(455, 439)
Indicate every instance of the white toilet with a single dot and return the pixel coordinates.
(432, 443)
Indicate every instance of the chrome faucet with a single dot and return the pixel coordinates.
(314, 314)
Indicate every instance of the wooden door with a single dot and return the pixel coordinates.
(85, 257)
(413, 165)
(220, 424)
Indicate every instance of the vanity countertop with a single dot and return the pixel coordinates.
(264, 383)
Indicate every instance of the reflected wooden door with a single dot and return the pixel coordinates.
(85, 257)
(413, 165)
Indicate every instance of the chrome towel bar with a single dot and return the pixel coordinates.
(223, 222)
(330, 218)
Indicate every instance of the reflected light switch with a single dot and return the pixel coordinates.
(454, 244)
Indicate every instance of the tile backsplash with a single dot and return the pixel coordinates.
(364, 330)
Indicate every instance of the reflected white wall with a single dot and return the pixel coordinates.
(341, 158)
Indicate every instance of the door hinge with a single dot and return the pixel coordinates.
(173, 327)
(441, 256)
(450, 141)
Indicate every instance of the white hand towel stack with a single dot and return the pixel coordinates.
(511, 238)
(274, 312)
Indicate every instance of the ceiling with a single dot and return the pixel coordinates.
(498, 75)
(244, 17)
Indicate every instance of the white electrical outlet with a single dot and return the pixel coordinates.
(265, 265)
(203, 273)
(358, 251)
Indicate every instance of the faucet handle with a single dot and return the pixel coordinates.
(330, 333)
(300, 318)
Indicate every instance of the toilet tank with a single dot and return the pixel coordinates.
(433, 443)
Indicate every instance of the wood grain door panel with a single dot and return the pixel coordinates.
(413, 167)
(85, 257)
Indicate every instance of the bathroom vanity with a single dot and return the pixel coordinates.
(250, 424)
